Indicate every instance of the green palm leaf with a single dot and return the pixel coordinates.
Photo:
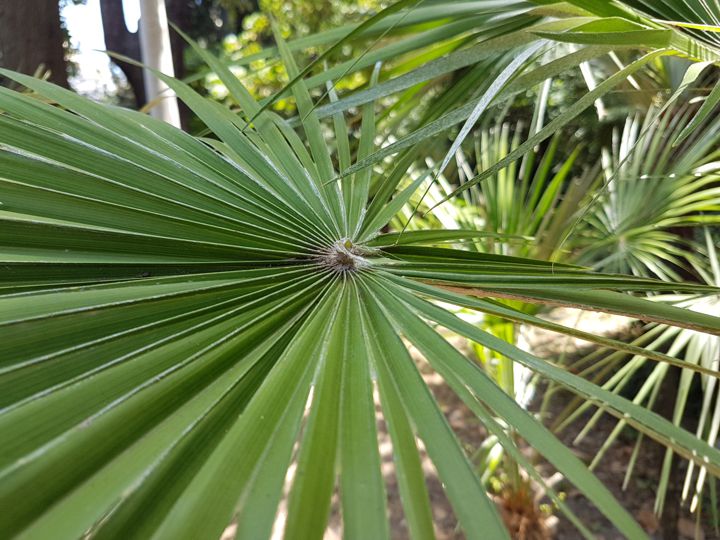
(185, 320)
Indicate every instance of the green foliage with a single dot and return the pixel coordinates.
(196, 331)
(617, 372)
(651, 191)
(263, 77)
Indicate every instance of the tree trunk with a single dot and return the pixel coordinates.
(119, 40)
(179, 12)
(156, 55)
(31, 38)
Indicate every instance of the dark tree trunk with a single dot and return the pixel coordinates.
(31, 37)
(119, 40)
(179, 13)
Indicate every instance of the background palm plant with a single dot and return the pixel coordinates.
(523, 209)
(183, 318)
(629, 223)
(616, 374)
(529, 208)
(653, 189)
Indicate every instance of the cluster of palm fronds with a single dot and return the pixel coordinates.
(199, 331)
(637, 210)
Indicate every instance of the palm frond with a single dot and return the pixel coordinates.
(185, 320)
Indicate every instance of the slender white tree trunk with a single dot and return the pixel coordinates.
(156, 53)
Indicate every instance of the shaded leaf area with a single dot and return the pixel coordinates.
(183, 319)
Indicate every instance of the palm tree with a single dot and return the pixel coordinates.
(194, 330)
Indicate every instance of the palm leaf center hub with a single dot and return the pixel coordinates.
(344, 256)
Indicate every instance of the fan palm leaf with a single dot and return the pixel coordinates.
(195, 332)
